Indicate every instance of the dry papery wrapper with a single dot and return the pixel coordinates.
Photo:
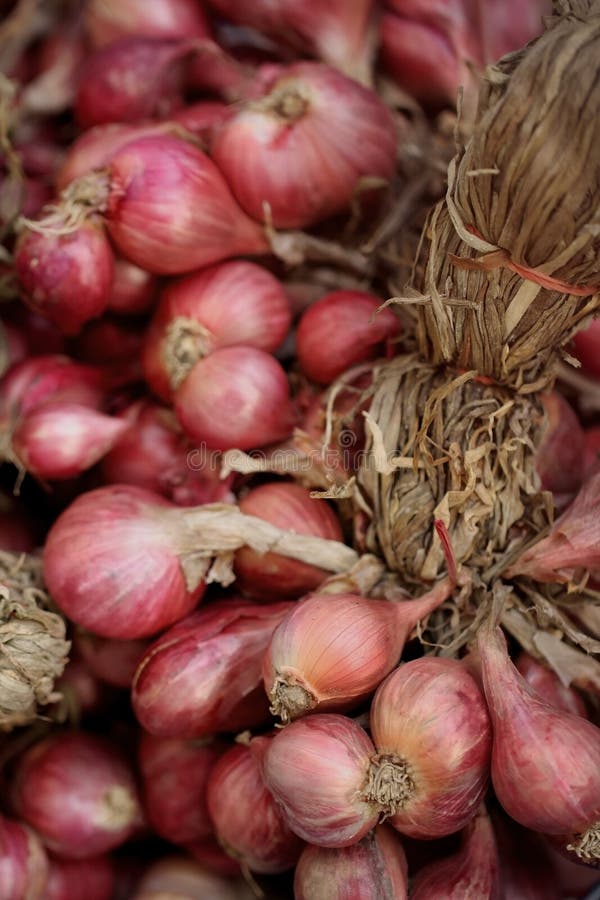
(509, 265)
(33, 648)
(454, 448)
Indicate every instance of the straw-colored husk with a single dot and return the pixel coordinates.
(523, 193)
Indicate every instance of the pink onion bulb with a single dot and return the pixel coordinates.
(270, 576)
(133, 289)
(250, 390)
(432, 732)
(316, 769)
(340, 330)
(332, 650)
(204, 674)
(228, 304)
(247, 820)
(549, 686)
(560, 455)
(304, 146)
(373, 869)
(472, 872)
(78, 793)
(113, 662)
(179, 878)
(115, 563)
(23, 862)
(170, 210)
(108, 20)
(81, 879)
(47, 380)
(175, 775)
(545, 762)
(66, 277)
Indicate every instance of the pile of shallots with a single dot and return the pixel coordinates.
(204, 206)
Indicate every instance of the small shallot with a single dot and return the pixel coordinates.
(78, 793)
(472, 872)
(432, 732)
(228, 304)
(23, 862)
(247, 820)
(204, 674)
(549, 686)
(560, 455)
(108, 20)
(316, 768)
(81, 879)
(306, 147)
(270, 576)
(180, 878)
(373, 869)
(545, 762)
(332, 650)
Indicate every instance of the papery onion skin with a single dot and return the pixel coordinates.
(111, 563)
(170, 210)
(250, 390)
(81, 879)
(62, 440)
(204, 674)
(340, 330)
(234, 302)
(23, 862)
(108, 20)
(332, 650)
(131, 79)
(269, 576)
(78, 793)
(66, 277)
(432, 732)
(246, 818)
(545, 762)
(372, 869)
(549, 686)
(304, 147)
(472, 872)
(175, 775)
(315, 768)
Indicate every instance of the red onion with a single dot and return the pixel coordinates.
(338, 32)
(202, 118)
(372, 869)
(66, 277)
(175, 775)
(545, 762)
(316, 768)
(81, 879)
(48, 380)
(113, 662)
(304, 147)
(225, 305)
(108, 20)
(472, 872)
(78, 793)
(432, 732)
(204, 674)
(573, 544)
(559, 457)
(586, 347)
(29, 334)
(250, 390)
(289, 506)
(58, 59)
(94, 148)
(178, 878)
(117, 561)
(341, 330)
(23, 863)
(332, 650)
(115, 343)
(62, 440)
(246, 818)
(131, 79)
(591, 450)
(527, 871)
(133, 289)
(431, 47)
(154, 454)
(548, 685)
(170, 210)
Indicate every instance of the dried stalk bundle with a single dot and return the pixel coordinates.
(510, 260)
(33, 649)
(450, 447)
